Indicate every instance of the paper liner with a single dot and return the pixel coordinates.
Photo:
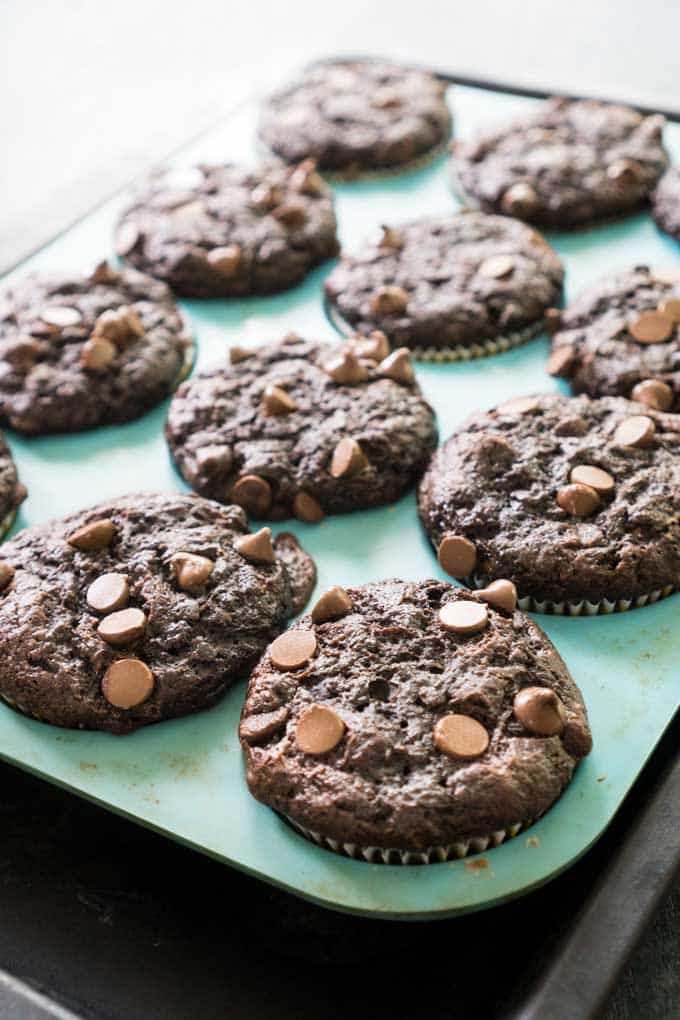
(461, 352)
(577, 607)
(393, 855)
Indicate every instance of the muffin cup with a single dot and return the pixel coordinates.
(459, 352)
(394, 855)
(578, 607)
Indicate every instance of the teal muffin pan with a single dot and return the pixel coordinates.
(185, 778)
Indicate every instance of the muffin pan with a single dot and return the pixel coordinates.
(185, 778)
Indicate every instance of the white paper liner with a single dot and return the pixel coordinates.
(392, 855)
(461, 352)
(578, 607)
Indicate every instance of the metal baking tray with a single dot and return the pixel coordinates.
(185, 778)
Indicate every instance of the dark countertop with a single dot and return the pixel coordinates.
(111, 920)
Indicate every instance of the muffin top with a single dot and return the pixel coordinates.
(570, 498)
(411, 715)
(356, 115)
(621, 337)
(568, 163)
(447, 281)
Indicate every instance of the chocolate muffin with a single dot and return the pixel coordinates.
(448, 287)
(12, 492)
(352, 116)
(139, 610)
(412, 722)
(81, 351)
(228, 231)
(567, 164)
(577, 501)
(304, 429)
(621, 337)
(666, 202)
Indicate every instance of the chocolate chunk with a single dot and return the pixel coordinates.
(318, 730)
(122, 627)
(127, 683)
(540, 711)
(460, 736)
(191, 571)
(457, 556)
(293, 649)
(463, 617)
(332, 605)
(93, 537)
(6, 574)
(256, 548)
(255, 729)
(239, 354)
(108, 592)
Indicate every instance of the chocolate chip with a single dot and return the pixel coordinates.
(624, 171)
(318, 730)
(520, 199)
(293, 649)
(636, 431)
(277, 402)
(118, 325)
(305, 178)
(348, 459)
(500, 594)
(654, 393)
(93, 537)
(518, 405)
(61, 316)
(103, 273)
(460, 736)
(265, 196)
(122, 627)
(651, 328)
(191, 571)
(671, 309)
(256, 548)
(346, 368)
(6, 574)
(391, 238)
(397, 366)
(239, 354)
(540, 711)
(127, 237)
(332, 605)
(97, 354)
(226, 260)
(578, 500)
(215, 457)
(127, 683)
(253, 493)
(108, 592)
(375, 346)
(497, 266)
(560, 361)
(463, 617)
(306, 508)
(389, 300)
(457, 556)
(291, 215)
(593, 477)
(255, 729)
